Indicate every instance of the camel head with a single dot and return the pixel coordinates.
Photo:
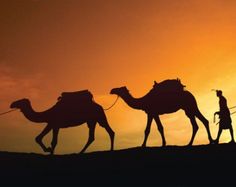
(120, 91)
(19, 104)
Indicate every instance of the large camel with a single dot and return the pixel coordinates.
(166, 97)
(59, 117)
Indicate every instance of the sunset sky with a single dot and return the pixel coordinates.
(51, 46)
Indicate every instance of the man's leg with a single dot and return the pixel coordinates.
(232, 134)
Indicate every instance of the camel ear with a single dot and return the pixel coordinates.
(155, 82)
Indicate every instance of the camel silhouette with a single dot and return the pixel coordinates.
(60, 116)
(166, 97)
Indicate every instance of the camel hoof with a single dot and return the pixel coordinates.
(212, 142)
(216, 142)
(232, 142)
(81, 152)
(143, 146)
(48, 149)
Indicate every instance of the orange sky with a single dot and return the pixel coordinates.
(48, 47)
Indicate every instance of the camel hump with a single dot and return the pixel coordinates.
(82, 97)
(169, 85)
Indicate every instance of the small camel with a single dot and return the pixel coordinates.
(57, 119)
(166, 97)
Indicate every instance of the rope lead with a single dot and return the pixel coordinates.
(8, 112)
(112, 104)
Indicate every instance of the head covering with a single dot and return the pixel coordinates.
(218, 92)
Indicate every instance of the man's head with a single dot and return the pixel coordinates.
(218, 93)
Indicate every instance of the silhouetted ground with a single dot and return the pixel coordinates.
(202, 165)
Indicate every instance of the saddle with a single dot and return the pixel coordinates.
(75, 100)
(170, 85)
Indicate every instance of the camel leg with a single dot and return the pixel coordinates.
(54, 139)
(39, 138)
(91, 135)
(111, 133)
(160, 128)
(147, 130)
(195, 128)
(206, 124)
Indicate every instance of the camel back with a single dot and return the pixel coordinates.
(170, 85)
(80, 98)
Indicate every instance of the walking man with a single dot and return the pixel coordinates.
(224, 116)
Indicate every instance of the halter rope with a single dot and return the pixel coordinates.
(112, 104)
(3, 113)
(8, 111)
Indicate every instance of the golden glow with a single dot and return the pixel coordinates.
(48, 47)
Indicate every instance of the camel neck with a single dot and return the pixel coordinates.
(131, 101)
(31, 115)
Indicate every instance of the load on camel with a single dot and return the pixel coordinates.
(165, 97)
(169, 86)
(72, 109)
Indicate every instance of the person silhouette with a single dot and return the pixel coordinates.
(224, 116)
